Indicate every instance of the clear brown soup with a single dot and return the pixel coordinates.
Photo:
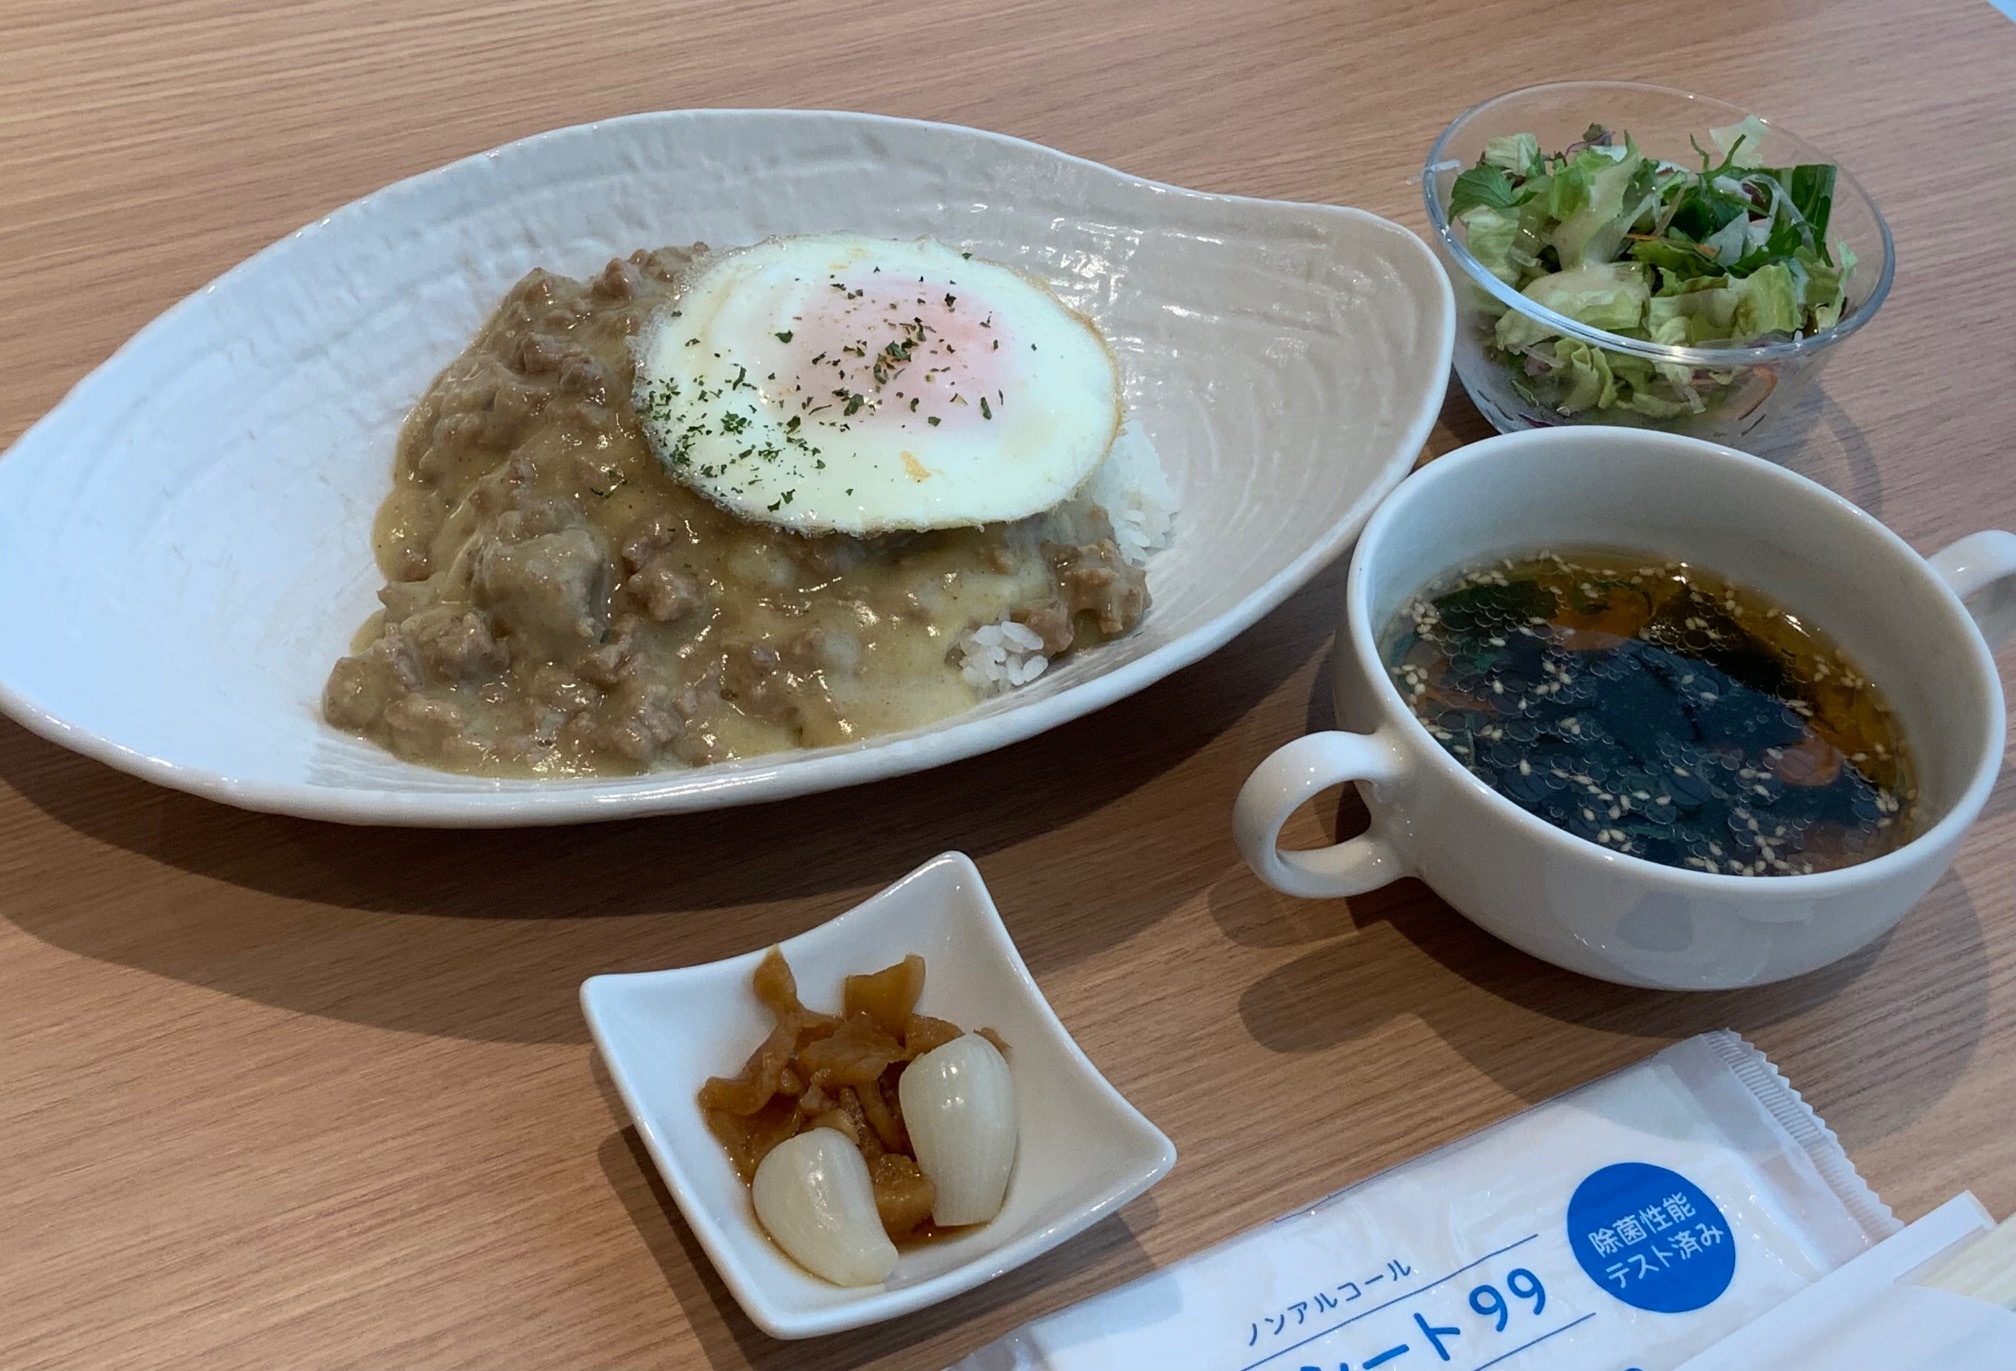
(555, 604)
(1659, 710)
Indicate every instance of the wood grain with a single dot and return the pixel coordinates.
(278, 1094)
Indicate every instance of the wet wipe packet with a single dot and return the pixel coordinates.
(1624, 1226)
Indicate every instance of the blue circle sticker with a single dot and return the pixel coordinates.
(1651, 1237)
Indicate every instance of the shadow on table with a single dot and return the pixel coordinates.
(1459, 424)
(1818, 440)
(1336, 994)
(1815, 438)
(730, 1339)
(487, 934)
(2002, 799)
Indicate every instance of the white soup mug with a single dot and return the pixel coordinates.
(1905, 621)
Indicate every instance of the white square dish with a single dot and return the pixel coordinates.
(1083, 1151)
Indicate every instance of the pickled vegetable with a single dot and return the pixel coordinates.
(841, 1072)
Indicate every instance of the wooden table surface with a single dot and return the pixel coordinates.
(277, 1094)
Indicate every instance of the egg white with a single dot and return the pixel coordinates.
(842, 383)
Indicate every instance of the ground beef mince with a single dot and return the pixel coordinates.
(556, 605)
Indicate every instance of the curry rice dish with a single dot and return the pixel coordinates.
(557, 603)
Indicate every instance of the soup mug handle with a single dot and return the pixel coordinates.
(1289, 779)
(1981, 568)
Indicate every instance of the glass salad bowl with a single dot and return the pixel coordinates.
(1692, 277)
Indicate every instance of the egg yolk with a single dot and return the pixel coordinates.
(901, 354)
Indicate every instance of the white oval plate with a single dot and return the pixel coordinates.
(185, 539)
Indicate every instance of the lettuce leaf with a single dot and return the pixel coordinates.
(1693, 317)
(1821, 284)
(1809, 188)
(1491, 232)
(1765, 302)
(1631, 373)
(1727, 310)
(1772, 240)
(1605, 295)
(1655, 407)
(1482, 185)
(1515, 331)
(1741, 144)
(1594, 232)
(1487, 305)
(1673, 332)
(1732, 242)
(1670, 329)
(1566, 190)
(1517, 153)
(1590, 382)
(1677, 259)
(1827, 297)
(1676, 285)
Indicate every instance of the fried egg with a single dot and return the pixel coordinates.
(859, 385)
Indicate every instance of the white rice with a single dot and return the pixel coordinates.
(1134, 490)
(1000, 656)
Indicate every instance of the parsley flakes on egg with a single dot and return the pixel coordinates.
(880, 410)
